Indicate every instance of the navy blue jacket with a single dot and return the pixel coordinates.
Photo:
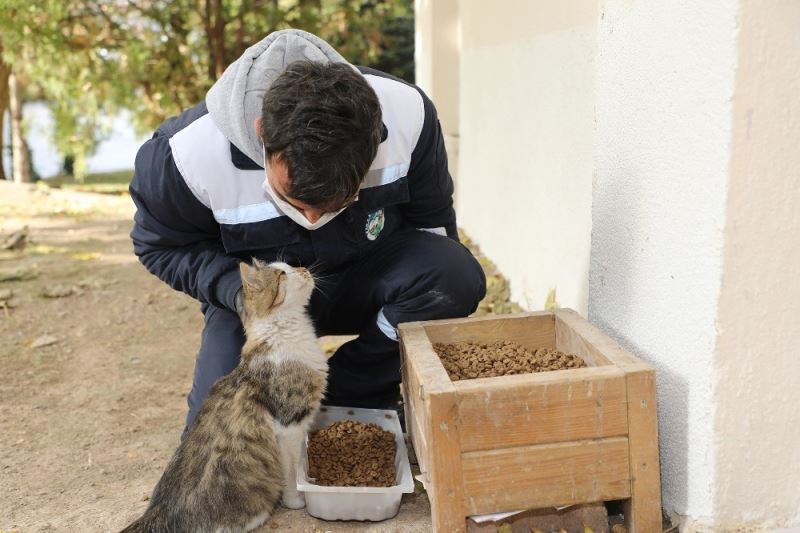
(201, 207)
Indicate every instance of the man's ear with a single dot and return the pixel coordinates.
(257, 125)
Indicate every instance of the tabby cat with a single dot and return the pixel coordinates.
(241, 452)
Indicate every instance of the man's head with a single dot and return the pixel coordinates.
(321, 126)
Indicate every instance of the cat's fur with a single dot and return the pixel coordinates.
(241, 452)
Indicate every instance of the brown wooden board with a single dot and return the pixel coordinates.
(533, 477)
(594, 340)
(569, 340)
(448, 512)
(564, 405)
(413, 397)
(432, 374)
(643, 510)
(532, 330)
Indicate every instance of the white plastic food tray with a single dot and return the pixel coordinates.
(356, 503)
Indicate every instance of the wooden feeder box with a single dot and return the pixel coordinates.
(532, 441)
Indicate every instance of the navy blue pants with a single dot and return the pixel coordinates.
(414, 275)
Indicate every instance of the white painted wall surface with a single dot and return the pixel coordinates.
(437, 43)
(436, 47)
(692, 113)
(665, 76)
(757, 362)
(526, 127)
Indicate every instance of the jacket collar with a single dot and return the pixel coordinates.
(241, 161)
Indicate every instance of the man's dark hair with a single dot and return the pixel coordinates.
(324, 122)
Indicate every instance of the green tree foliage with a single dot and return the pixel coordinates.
(48, 46)
(89, 58)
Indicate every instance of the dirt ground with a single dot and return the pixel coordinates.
(95, 376)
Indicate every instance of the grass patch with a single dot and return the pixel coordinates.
(99, 182)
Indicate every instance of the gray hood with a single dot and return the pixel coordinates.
(234, 101)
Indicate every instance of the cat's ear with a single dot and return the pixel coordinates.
(249, 274)
(280, 289)
(258, 264)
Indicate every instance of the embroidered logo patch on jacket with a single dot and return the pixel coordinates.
(375, 222)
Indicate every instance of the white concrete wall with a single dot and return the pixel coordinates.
(436, 47)
(665, 77)
(757, 361)
(436, 51)
(687, 114)
(526, 128)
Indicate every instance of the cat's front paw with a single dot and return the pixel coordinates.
(293, 500)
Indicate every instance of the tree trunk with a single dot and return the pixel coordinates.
(214, 22)
(5, 70)
(240, 46)
(209, 43)
(19, 155)
(219, 38)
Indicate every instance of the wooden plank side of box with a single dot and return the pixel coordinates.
(533, 477)
(532, 330)
(415, 407)
(527, 409)
(571, 340)
(577, 335)
(418, 429)
(419, 352)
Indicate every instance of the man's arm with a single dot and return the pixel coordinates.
(174, 235)
(429, 182)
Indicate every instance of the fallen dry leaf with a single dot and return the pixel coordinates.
(85, 256)
(17, 240)
(44, 340)
(45, 249)
(92, 282)
(6, 303)
(550, 302)
(19, 274)
(498, 291)
(57, 291)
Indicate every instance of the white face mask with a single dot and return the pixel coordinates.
(291, 211)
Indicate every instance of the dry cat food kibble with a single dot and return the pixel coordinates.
(352, 454)
(470, 360)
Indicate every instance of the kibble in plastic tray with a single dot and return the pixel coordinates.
(357, 503)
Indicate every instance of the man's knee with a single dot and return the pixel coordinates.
(460, 276)
(447, 282)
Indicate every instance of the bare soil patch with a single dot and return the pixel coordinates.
(471, 360)
(96, 359)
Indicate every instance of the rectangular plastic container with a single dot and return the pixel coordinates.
(357, 503)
